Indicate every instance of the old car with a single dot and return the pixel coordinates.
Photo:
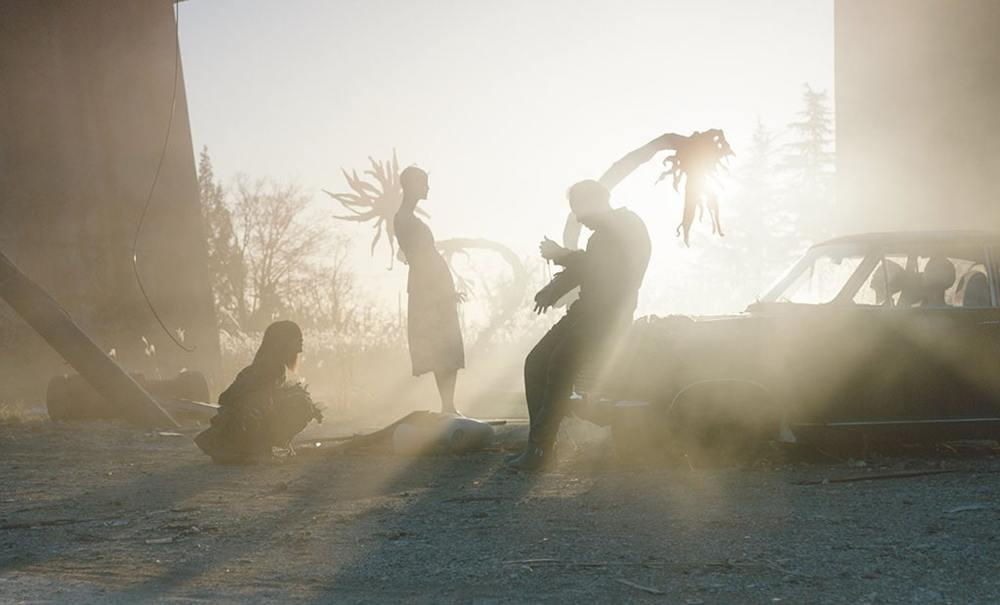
(875, 338)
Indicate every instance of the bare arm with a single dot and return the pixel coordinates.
(619, 171)
(633, 159)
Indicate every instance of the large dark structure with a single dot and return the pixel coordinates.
(918, 125)
(84, 106)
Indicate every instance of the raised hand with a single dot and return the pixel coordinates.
(550, 250)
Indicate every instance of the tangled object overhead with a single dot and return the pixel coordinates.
(376, 201)
(697, 158)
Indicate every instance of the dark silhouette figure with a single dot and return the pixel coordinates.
(888, 280)
(938, 276)
(609, 273)
(260, 410)
(433, 330)
(976, 290)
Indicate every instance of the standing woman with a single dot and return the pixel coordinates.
(432, 308)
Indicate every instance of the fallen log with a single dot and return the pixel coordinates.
(874, 477)
(54, 325)
(73, 398)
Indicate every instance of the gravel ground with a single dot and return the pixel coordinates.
(108, 514)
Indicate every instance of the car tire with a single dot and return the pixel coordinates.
(723, 421)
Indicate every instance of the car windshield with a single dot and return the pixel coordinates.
(820, 276)
(905, 275)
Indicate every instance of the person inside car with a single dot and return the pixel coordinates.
(938, 276)
(887, 281)
(975, 288)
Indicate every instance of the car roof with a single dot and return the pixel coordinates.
(909, 237)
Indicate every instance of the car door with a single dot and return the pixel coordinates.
(946, 335)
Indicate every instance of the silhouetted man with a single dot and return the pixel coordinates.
(609, 273)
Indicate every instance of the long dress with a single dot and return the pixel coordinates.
(433, 329)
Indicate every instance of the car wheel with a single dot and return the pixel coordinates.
(723, 421)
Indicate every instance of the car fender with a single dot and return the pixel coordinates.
(734, 401)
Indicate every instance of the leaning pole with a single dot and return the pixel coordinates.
(55, 326)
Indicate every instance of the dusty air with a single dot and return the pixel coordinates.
(521, 302)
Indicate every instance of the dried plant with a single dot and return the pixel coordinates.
(377, 200)
(696, 159)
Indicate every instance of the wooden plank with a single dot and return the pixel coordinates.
(57, 328)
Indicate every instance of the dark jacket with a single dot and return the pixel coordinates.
(609, 271)
(258, 411)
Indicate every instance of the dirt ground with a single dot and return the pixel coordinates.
(104, 513)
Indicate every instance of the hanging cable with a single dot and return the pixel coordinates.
(152, 187)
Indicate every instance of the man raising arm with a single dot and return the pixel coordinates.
(609, 273)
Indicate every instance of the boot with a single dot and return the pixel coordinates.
(508, 458)
(533, 458)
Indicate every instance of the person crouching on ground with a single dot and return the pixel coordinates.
(261, 409)
(609, 273)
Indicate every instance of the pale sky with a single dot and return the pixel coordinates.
(505, 103)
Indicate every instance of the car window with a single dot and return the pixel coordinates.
(930, 276)
(872, 292)
(822, 280)
(898, 275)
(884, 285)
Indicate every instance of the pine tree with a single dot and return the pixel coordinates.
(225, 261)
(767, 225)
(763, 231)
(809, 164)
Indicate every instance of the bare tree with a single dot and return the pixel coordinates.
(323, 293)
(278, 244)
(269, 256)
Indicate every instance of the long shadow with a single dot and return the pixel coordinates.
(317, 481)
(165, 488)
(169, 487)
(713, 526)
(317, 485)
(469, 478)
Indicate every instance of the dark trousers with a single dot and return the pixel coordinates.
(550, 370)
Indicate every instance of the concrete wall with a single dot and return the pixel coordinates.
(85, 90)
(918, 113)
